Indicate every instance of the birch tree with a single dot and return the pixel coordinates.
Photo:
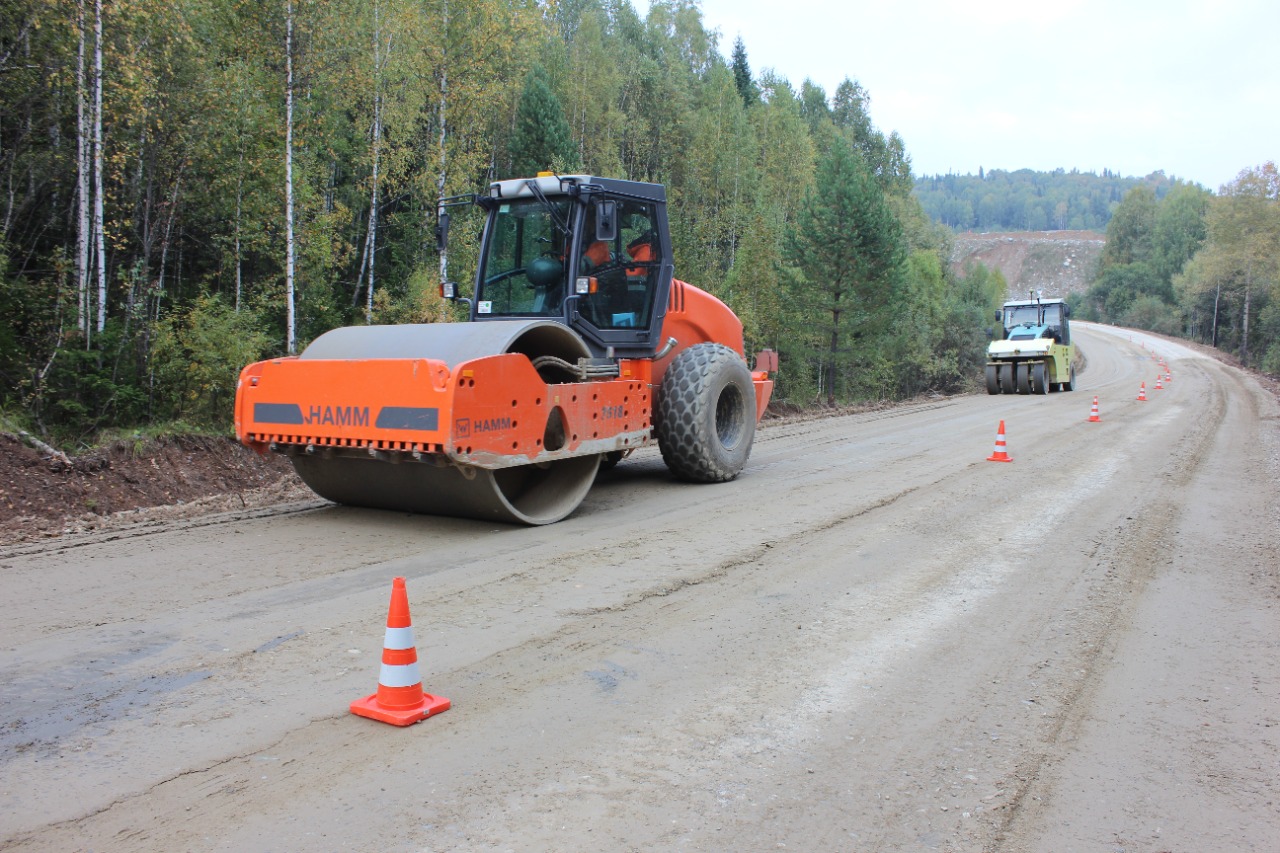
(375, 149)
(83, 171)
(1243, 247)
(291, 338)
(98, 218)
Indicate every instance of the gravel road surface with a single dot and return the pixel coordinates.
(873, 640)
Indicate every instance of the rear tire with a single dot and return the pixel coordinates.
(1070, 384)
(706, 414)
(1024, 379)
(1039, 379)
(993, 380)
(1006, 378)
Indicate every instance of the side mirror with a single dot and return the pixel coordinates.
(1066, 310)
(442, 232)
(998, 316)
(606, 220)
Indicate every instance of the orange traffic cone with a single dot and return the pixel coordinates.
(399, 700)
(1142, 393)
(999, 454)
(1158, 387)
(1093, 412)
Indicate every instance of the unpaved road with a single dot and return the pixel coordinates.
(874, 640)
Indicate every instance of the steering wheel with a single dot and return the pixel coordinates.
(502, 276)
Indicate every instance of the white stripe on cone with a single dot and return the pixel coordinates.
(399, 675)
(398, 638)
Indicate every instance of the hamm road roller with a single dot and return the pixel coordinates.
(580, 347)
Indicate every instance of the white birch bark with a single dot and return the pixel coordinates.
(291, 341)
(239, 215)
(444, 136)
(100, 242)
(371, 245)
(84, 303)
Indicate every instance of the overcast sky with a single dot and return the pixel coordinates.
(1191, 87)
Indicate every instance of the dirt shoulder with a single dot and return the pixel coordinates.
(43, 497)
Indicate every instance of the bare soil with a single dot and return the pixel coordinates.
(1059, 263)
(43, 497)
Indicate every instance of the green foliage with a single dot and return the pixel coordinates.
(198, 355)
(1187, 262)
(1025, 200)
(83, 391)
(541, 139)
(1152, 314)
(1234, 279)
(786, 202)
(1149, 240)
(747, 88)
(1116, 289)
(1179, 229)
(845, 258)
(1130, 231)
(1269, 335)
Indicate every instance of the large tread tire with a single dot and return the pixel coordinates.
(1039, 378)
(1070, 384)
(1006, 379)
(1023, 380)
(993, 380)
(706, 414)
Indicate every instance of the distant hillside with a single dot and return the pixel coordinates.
(1025, 200)
(1058, 263)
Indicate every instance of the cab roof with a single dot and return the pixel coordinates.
(574, 185)
(1022, 303)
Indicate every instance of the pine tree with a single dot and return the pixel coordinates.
(846, 255)
(541, 139)
(742, 75)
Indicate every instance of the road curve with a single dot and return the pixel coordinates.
(874, 639)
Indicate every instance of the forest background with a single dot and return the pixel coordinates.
(192, 185)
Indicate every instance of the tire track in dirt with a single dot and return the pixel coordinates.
(1132, 559)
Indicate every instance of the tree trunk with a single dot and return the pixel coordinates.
(100, 242)
(831, 363)
(444, 101)
(239, 214)
(371, 245)
(1244, 332)
(84, 302)
(291, 341)
(1217, 295)
(166, 241)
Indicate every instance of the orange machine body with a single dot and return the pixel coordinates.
(489, 412)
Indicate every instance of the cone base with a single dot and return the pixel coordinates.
(1095, 420)
(371, 708)
(1001, 458)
